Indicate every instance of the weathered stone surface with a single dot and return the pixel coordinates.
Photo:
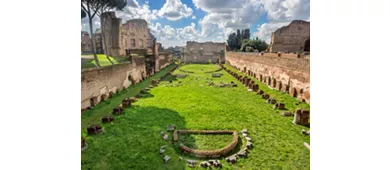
(265, 96)
(287, 114)
(255, 87)
(291, 38)
(216, 75)
(126, 103)
(171, 128)
(243, 153)
(133, 99)
(248, 138)
(271, 101)
(232, 159)
(107, 119)
(166, 158)
(181, 75)
(249, 145)
(205, 164)
(94, 129)
(117, 111)
(165, 137)
(260, 92)
(301, 117)
(279, 106)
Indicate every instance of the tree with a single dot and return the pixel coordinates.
(88, 7)
(260, 45)
(83, 14)
(232, 41)
(107, 5)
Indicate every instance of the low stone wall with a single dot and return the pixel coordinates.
(290, 75)
(207, 153)
(98, 83)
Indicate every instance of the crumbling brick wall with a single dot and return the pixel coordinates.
(293, 73)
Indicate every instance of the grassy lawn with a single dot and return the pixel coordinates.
(133, 140)
(103, 61)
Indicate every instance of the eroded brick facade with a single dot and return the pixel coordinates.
(294, 37)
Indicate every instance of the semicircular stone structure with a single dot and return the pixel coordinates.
(207, 153)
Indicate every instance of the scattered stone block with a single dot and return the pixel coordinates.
(126, 103)
(287, 114)
(244, 131)
(232, 159)
(107, 119)
(94, 129)
(245, 134)
(248, 138)
(271, 101)
(191, 163)
(181, 75)
(249, 145)
(306, 132)
(215, 163)
(180, 158)
(133, 99)
(255, 87)
(165, 137)
(243, 153)
(171, 128)
(301, 117)
(162, 150)
(166, 158)
(205, 164)
(216, 75)
(265, 96)
(279, 106)
(117, 111)
(260, 92)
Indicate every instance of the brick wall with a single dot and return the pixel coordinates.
(293, 74)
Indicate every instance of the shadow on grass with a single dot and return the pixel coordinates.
(133, 140)
(169, 77)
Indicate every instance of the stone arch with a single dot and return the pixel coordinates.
(274, 82)
(103, 97)
(293, 92)
(93, 101)
(269, 80)
(306, 45)
(261, 77)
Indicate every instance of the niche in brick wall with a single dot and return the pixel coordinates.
(103, 97)
(93, 101)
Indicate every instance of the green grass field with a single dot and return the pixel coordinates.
(132, 140)
(103, 61)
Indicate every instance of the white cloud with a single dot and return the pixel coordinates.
(175, 10)
(287, 10)
(228, 15)
(193, 17)
(140, 12)
(265, 31)
(133, 3)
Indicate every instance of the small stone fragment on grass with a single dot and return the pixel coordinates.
(165, 137)
(249, 145)
(171, 128)
(162, 151)
(286, 114)
(205, 164)
(244, 131)
(166, 158)
(180, 158)
(245, 134)
(248, 138)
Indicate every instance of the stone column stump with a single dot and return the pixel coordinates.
(260, 92)
(255, 87)
(117, 111)
(94, 129)
(279, 106)
(301, 117)
(265, 96)
(126, 103)
(107, 119)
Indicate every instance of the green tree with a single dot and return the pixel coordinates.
(232, 41)
(260, 45)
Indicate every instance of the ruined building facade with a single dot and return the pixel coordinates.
(294, 37)
(204, 52)
(86, 44)
(134, 34)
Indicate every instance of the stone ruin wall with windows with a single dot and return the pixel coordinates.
(134, 34)
(205, 52)
(294, 37)
(281, 73)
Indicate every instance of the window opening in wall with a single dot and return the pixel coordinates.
(132, 42)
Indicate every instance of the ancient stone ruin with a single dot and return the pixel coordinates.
(118, 110)
(94, 129)
(279, 106)
(107, 119)
(126, 103)
(207, 153)
(294, 37)
(301, 117)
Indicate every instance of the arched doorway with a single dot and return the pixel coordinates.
(306, 46)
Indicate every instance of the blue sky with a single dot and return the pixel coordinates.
(174, 22)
